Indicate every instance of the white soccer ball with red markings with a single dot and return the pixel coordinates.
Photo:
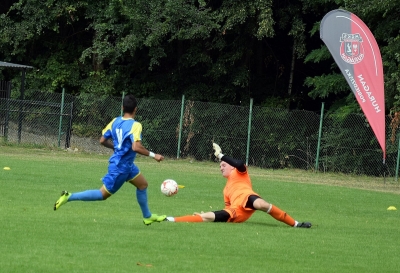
(169, 187)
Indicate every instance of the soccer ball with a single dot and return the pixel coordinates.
(169, 187)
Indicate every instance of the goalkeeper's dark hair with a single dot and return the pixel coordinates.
(129, 103)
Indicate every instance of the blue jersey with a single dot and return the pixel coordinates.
(123, 132)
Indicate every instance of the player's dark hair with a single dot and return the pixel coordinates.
(129, 104)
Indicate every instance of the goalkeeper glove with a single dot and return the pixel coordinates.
(217, 151)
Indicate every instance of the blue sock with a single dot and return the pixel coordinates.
(90, 195)
(141, 196)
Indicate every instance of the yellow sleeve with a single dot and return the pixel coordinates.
(136, 131)
(108, 127)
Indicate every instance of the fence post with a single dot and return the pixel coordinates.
(180, 127)
(8, 98)
(22, 108)
(68, 134)
(249, 131)
(61, 115)
(319, 137)
(122, 102)
(398, 158)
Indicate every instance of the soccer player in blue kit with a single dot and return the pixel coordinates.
(125, 133)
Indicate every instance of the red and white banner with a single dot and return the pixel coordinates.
(355, 51)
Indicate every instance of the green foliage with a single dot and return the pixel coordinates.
(285, 137)
(84, 130)
(207, 50)
(341, 149)
(156, 124)
(318, 55)
(326, 85)
(217, 51)
(92, 113)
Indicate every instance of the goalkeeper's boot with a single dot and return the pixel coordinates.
(304, 225)
(154, 218)
(62, 200)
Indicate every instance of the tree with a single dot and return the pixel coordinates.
(47, 35)
(155, 49)
(220, 51)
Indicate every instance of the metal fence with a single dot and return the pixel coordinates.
(263, 137)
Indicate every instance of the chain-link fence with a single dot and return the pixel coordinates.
(41, 122)
(263, 137)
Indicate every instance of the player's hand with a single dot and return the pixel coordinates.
(217, 149)
(158, 157)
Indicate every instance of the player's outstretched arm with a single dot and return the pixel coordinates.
(139, 148)
(237, 163)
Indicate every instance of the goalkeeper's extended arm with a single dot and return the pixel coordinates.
(237, 163)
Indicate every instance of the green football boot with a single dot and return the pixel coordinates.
(154, 218)
(62, 200)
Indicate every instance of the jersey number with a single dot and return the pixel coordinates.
(119, 137)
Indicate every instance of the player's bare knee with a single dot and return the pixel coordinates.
(261, 204)
(208, 216)
(104, 193)
(139, 183)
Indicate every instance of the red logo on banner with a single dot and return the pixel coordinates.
(351, 48)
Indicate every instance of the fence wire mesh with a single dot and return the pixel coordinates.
(34, 122)
(276, 138)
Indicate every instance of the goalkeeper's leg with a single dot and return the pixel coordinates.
(211, 216)
(280, 215)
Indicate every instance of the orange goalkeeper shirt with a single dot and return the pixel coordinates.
(237, 190)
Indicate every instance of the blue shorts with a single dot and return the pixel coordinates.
(116, 177)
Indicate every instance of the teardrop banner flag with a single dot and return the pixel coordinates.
(355, 51)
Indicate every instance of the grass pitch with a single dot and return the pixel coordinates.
(352, 229)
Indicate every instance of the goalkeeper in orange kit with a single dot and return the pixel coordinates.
(240, 199)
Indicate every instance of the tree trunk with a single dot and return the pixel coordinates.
(291, 74)
(292, 69)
